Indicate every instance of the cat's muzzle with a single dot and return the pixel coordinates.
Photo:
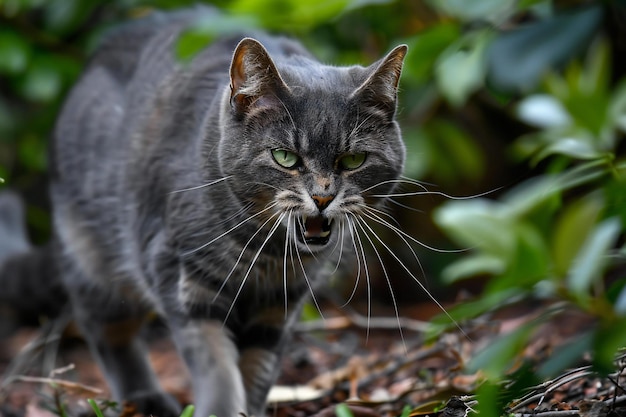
(315, 230)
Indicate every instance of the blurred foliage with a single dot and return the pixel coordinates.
(525, 98)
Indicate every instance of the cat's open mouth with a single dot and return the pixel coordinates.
(315, 230)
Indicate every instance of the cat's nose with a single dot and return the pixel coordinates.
(322, 201)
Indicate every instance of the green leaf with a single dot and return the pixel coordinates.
(543, 111)
(576, 147)
(42, 81)
(425, 49)
(453, 153)
(608, 340)
(188, 411)
(489, 400)
(488, 301)
(14, 53)
(406, 411)
(499, 356)
(310, 312)
(571, 229)
(620, 303)
(208, 27)
(593, 257)
(95, 408)
(589, 108)
(479, 224)
(530, 263)
(491, 10)
(473, 265)
(617, 107)
(290, 15)
(615, 204)
(597, 72)
(461, 67)
(342, 410)
(64, 16)
(518, 59)
(566, 356)
(418, 151)
(538, 191)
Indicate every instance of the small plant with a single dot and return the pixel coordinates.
(94, 406)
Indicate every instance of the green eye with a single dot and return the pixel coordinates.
(352, 161)
(285, 158)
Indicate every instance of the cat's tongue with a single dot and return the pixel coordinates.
(316, 228)
(313, 226)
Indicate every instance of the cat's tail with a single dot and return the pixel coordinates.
(30, 286)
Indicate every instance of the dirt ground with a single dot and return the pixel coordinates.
(375, 372)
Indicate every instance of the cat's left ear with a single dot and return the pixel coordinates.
(254, 79)
(380, 89)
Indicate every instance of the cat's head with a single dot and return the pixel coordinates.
(310, 146)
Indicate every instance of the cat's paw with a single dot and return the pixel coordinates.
(155, 403)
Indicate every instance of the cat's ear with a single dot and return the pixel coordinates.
(380, 89)
(254, 79)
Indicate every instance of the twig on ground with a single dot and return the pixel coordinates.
(357, 320)
(68, 386)
(551, 385)
(560, 413)
(50, 334)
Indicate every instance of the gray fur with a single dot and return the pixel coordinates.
(165, 197)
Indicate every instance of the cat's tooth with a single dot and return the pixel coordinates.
(325, 234)
(304, 218)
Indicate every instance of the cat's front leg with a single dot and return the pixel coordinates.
(261, 345)
(212, 358)
(259, 368)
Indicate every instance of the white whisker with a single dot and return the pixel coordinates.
(380, 212)
(367, 277)
(267, 185)
(271, 206)
(397, 181)
(287, 247)
(392, 253)
(197, 187)
(306, 278)
(435, 193)
(404, 206)
(254, 259)
(342, 230)
(396, 231)
(360, 223)
(358, 261)
(368, 213)
(243, 250)
(413, 181)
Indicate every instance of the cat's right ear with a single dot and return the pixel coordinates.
(380, 90)
(254, 79)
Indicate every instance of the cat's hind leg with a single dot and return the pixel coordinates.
(110, 322)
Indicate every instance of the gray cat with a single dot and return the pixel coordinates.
(215, 193)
